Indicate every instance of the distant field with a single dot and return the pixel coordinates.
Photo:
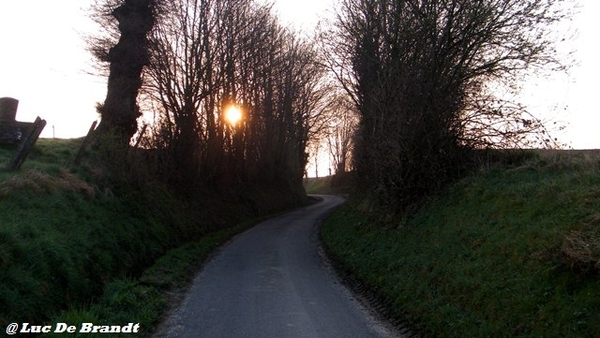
(511, 251)
(332, 185)
(317, 185)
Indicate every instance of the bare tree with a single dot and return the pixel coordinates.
(342, 128)
(181, 78)
(418, 72)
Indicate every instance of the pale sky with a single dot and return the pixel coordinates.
(44, 64)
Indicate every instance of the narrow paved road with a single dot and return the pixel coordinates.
(271, 282)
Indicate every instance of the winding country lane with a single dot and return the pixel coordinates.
(269, 282)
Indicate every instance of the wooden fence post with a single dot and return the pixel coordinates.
(137, 142)
(86, 142)
(27, 144)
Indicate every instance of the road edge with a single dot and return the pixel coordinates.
(371, 301)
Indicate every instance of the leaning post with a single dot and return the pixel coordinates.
(27, 144)
(86, 141)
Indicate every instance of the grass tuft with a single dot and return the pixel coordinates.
(582, 250)
(35, 181)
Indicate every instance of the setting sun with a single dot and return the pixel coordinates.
(233, 114)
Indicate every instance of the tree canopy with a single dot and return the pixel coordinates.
(423, 74)
(205, 56)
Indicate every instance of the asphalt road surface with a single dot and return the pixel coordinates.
(270, 281)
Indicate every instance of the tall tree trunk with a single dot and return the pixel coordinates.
(127, 58)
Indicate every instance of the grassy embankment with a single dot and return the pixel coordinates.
(76, 247)
(511, 251)
(329, 185)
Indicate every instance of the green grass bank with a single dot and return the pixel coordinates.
(76, 246)
(511, 251)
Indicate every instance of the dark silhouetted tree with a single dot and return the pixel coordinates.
(127, 59)
(421, 74)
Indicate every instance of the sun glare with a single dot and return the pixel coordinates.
(233, 114)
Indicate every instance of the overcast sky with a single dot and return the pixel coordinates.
(43, 63)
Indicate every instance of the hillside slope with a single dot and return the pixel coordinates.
(78, 245)
(512, 251)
